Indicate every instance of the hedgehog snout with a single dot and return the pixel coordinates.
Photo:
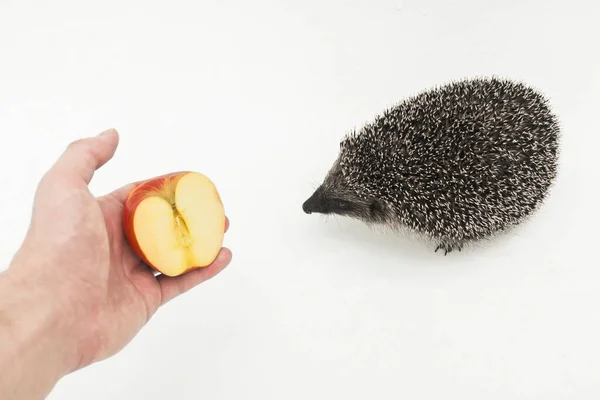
(306, 208)
(312, 204)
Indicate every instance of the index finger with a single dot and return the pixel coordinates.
(121, 194)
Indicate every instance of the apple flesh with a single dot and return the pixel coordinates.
(175, 222)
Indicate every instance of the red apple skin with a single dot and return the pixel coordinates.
(135, 197)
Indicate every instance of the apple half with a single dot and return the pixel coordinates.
(176, 222)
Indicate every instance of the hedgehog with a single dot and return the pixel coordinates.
(457, 163)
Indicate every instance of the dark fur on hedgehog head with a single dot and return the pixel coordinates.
(456, 164)
(335, 196)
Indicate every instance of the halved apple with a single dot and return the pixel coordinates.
(175, 222)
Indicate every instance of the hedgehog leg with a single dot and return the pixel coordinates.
(446, 247)
(449, 246)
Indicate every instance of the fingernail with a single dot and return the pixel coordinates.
(106, 132)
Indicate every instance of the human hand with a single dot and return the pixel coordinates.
(76, 262)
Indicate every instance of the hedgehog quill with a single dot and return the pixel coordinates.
(457, 163)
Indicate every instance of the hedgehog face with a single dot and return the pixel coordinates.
(334, 196)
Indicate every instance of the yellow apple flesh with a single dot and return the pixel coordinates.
(176, 222)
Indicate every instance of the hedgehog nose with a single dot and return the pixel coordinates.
(306, 207)
(311, 205)
(314, 204)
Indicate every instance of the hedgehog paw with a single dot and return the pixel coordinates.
(445, 247)
(448, 247)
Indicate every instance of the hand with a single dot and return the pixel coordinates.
(75, 262)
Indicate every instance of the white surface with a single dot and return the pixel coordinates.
(257, 95)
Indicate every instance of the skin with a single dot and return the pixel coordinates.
(74, 293)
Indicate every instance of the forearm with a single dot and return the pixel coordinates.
(34, 350)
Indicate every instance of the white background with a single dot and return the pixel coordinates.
(257, 95)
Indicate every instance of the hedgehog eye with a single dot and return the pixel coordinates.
(340, 204)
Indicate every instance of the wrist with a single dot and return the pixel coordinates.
(35, 349)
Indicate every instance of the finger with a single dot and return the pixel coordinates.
(84, 156)
(121, 193)
(172, 287)
(226, 224)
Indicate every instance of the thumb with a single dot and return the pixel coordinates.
(84, 156)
